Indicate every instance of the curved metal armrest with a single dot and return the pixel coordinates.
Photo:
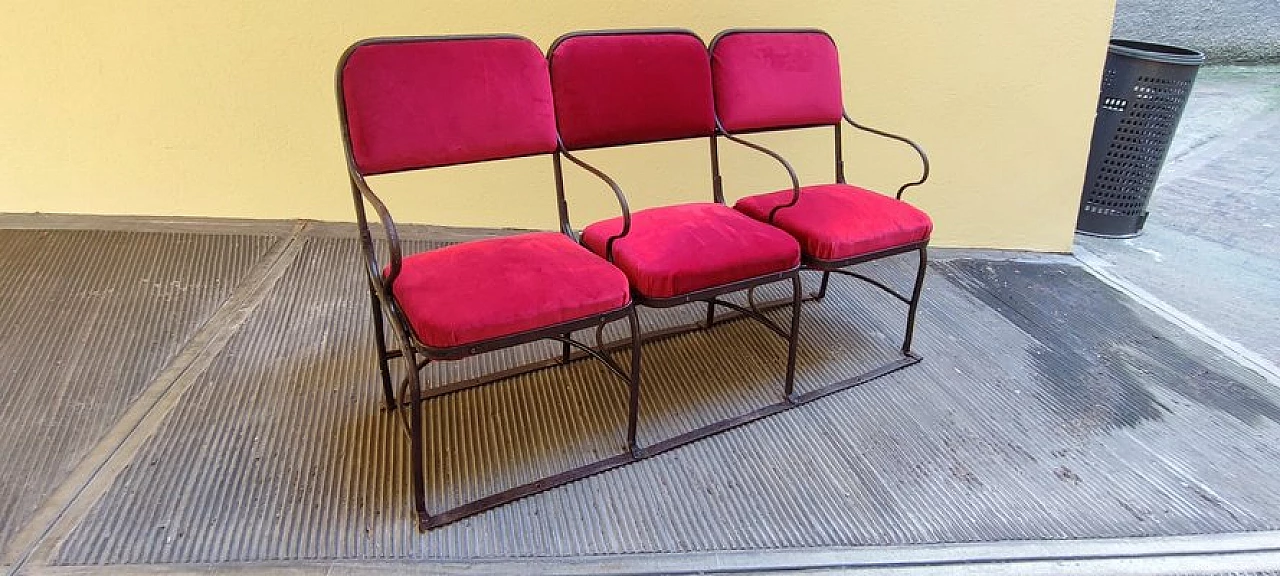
(923, 158)
(795, 182)
(617, 192)
(388, 225)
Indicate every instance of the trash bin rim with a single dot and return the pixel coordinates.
(1156, 52)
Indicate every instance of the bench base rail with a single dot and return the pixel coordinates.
(427, 521)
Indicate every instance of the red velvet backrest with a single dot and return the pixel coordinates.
(419, 103)
(627, 88)
(776, 79)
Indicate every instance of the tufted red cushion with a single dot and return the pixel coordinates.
(631, 88)
(423, 103)
(475, 291)
(776, 80)
(838, 221)
(675, 250)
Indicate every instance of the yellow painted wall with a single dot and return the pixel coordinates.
(226, 108)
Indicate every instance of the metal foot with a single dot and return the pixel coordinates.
(793, 340)
(822, 288)
(633, 404)
(915, 301)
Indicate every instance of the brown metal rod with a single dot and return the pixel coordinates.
(641, 453)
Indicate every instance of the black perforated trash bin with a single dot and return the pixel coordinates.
(1144, 89)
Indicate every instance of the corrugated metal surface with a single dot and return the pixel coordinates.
(1007, 430)
(87, 320)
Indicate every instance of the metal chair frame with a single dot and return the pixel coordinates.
(407, 402)
(712, 295)
(829, 267)
(417, 355)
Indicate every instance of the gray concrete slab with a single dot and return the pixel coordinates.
(1243, 554)
(1208, 248)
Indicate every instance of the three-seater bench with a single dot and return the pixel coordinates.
(425, 102)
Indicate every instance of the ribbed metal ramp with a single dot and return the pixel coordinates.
(88, 319)
(1048, 408)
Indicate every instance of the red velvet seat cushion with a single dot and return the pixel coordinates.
(631, 88)
(675, 250)
(475, 291)
(435, 102)
(838, 221)
(776, 80)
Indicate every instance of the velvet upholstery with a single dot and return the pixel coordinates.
(675, 250)
(424, 103)
(487, 289)
(630, 88)
(838, 221)
(767, 80)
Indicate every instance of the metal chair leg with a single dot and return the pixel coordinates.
(565, 350)
(915, 300)
(797, 296)
(822, 288)
(379, 334)
(416, 443)
(711, 314)
(633, 405)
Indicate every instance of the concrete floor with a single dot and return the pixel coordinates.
(1055, 426)
(1208, 249)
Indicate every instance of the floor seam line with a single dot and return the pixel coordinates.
(973, 556)
(31, 545)
(1236, 352)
